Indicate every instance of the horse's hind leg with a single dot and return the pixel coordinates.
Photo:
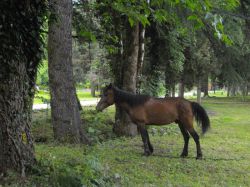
(188, 125)
(150, 145)
(148, 148)
(186, 139)
(196, 138)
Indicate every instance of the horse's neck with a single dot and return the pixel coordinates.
(121, 99)
(124, 106)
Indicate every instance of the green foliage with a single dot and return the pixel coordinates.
(176, 52)
(228, 4)
(90, 66)
(68, 166)
(41, 127)
(21, 38)
(42, 96)
(88, 35)
(197, 21)
(84, 23)
(99, 125)
(235, 63)
(136, 12)
(112, 17)
(42, 75)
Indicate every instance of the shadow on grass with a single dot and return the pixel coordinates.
(192, 157)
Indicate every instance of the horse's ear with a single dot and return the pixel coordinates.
(110, 86)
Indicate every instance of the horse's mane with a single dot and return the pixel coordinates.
(132, 99)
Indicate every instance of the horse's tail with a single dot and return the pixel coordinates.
(201, 116)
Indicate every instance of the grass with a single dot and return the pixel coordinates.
(43, 96)
(225, 148)
(221, 96)
(113, 161)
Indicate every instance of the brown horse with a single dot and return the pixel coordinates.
(145, 110)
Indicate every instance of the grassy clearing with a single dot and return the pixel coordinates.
(115, 161)
(221, 96)
(43, 96)
(225, 148)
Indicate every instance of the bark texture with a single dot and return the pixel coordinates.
(65, 113)
(123, 124)
(199, 91)
(16, 145)
(20, 54)
(181, 88)
(173, 90)
(204, 85)
(141, 54)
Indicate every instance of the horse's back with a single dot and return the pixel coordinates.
(165, 110)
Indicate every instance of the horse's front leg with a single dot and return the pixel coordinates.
(148, 148)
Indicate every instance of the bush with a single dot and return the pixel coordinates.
(67, 166)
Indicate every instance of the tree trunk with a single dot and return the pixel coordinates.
(20, 50)
(233, 90)
(167, 85)
(65, 114)
(199, 91)
(16, 145)
(173, 90)
(214, 87)
(228, 90)
(247, 90)
(141, 54)
(78, 103)
(181, 89)
(123, 124)
(245, 8)
(93, 87)
(205, 86)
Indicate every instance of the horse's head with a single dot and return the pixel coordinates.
(107, 98)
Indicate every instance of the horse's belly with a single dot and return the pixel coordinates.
(160, 119)
(161, 113)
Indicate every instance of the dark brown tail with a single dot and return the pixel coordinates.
(201, 116)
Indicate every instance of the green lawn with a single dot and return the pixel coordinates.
(42, 96)
(115, 161)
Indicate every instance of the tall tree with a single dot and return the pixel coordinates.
(124, 125)
(66, 121)
(123, 47)
(141, 55)
(114, 15)
(20, 54)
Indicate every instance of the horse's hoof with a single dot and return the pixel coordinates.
(184, 155)
(199, 157)
(147, 153)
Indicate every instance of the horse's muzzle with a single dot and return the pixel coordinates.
(98, 108)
